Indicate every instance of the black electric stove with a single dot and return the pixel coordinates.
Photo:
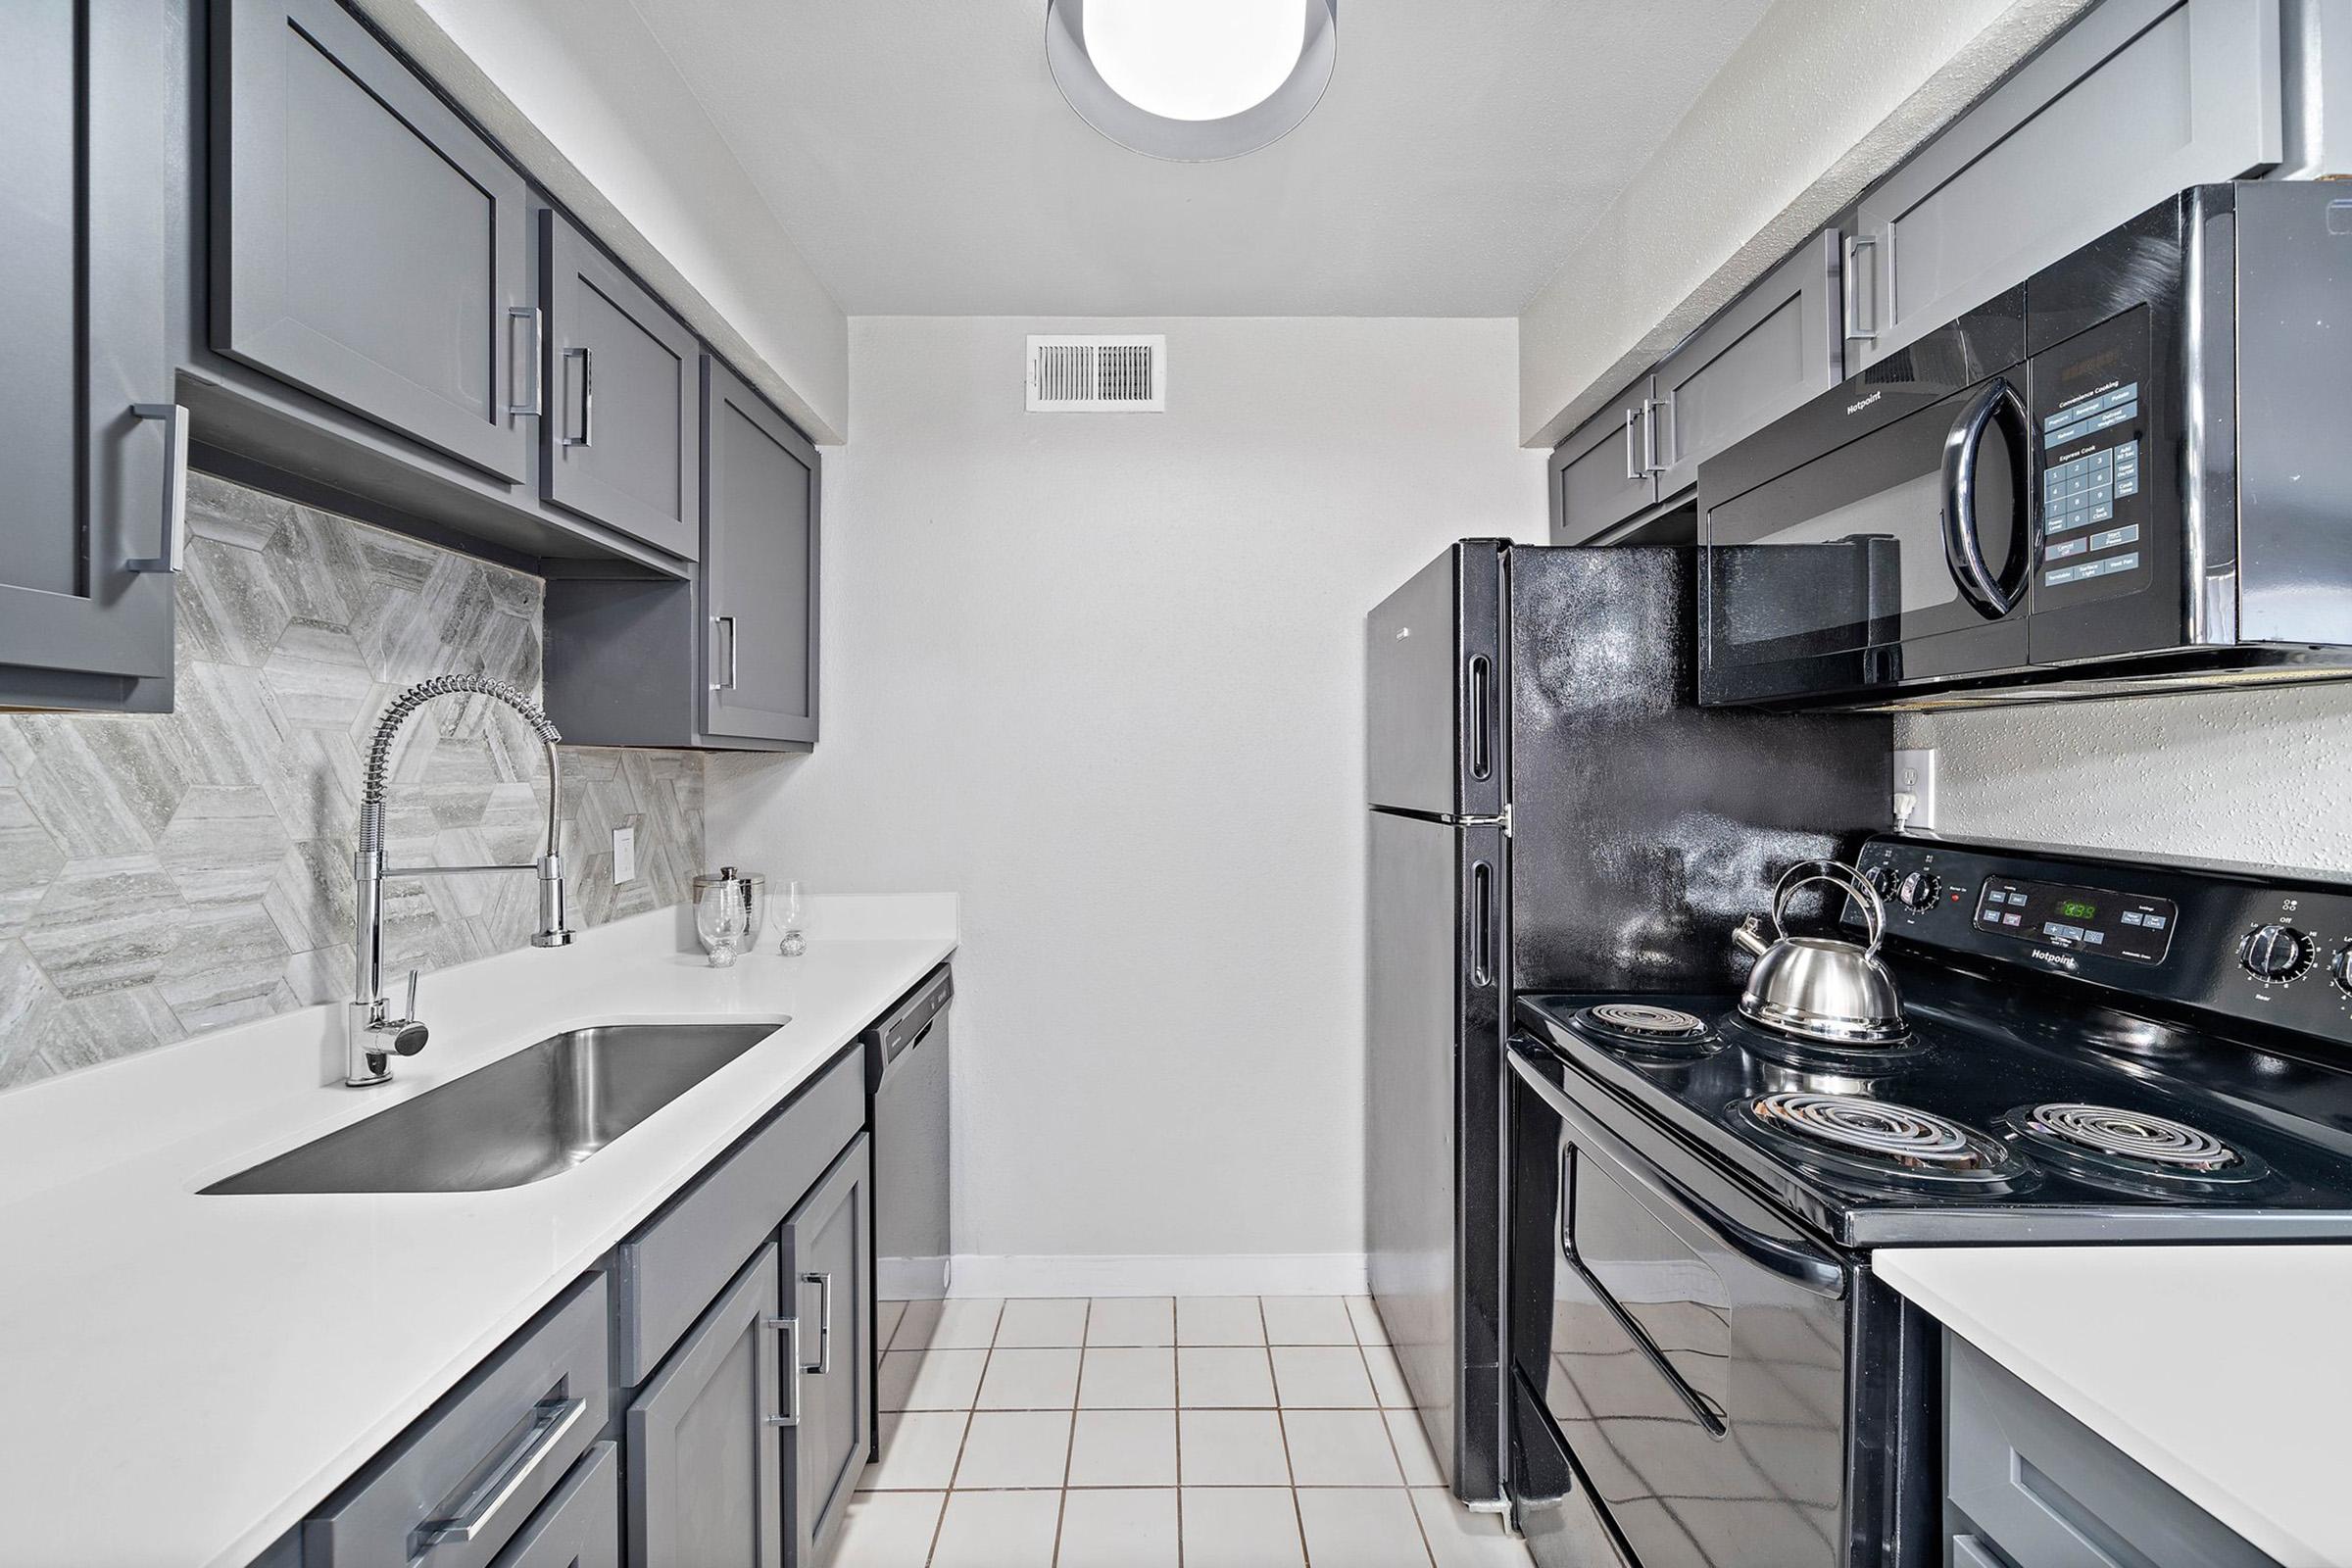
(2099, 1052)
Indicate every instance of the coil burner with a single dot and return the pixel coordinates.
(1643, 1027)
(1879, 1141)
(2133, 1150)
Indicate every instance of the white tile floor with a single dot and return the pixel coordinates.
(1227, 1431)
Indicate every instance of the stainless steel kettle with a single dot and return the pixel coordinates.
(1821, 988)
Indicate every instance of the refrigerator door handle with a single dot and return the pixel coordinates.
(1481, 923)
(1481, 698)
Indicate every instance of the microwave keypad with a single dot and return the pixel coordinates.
(2078, 496)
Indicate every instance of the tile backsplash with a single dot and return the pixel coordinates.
(165, 874)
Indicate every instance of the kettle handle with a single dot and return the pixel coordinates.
(1856, 885)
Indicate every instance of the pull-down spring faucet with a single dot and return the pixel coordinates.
(375, 1035)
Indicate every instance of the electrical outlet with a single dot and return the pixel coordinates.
(1915, 777)
(625, 855)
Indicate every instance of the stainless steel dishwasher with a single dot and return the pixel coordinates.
(906, 1070)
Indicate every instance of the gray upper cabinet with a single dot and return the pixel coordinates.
(92, 456)
(622, 439)
(369, 246)
(2136, 100)
(1777, 345)
(704, 1446)
(759, 566)
(1607, 469)
(828, 1266)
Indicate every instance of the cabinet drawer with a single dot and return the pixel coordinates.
(2040, 1489)
(580, 1526)
(458, 1485)
(664, 1276)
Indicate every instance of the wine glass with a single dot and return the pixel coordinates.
(787, 906)
(722, 918)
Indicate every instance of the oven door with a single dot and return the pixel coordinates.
(1877, 559)
(1687, 1345)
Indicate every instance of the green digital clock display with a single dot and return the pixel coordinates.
(2077, 909)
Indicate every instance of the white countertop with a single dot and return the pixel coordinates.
(183, 1377)
(2225, 1370)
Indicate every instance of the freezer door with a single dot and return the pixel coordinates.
(1433, 688)
(1436, 943)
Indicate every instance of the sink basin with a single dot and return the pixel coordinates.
(523, 1119)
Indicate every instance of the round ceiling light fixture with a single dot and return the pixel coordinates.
(1193, 80)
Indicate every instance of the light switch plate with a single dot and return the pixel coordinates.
(625, 855)
(1915, 777)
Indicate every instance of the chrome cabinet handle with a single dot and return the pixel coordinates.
(551, 1418)
(1632, 461)
(176, 488)
(728, 684)
(587, 358)
(1650, 463)
(538, 403)
(825, 1321)
(790, 1325)
(1854, 245)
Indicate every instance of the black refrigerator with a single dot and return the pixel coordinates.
(1549, 810)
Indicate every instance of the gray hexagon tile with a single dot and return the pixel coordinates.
(165, 874)
(105, 924)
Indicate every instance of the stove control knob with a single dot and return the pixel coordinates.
(2340, 967)
(1881, 878)
(2275, 952)
(1919, 891)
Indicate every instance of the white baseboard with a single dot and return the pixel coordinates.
(1235, 1274)
(910, 1279)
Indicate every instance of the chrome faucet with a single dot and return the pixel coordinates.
(375, 1037)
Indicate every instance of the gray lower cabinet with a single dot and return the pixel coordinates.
(622, 436)
(1606, 472)
(579, 1527)
(92, 454)
(2136, 100)
(2027, 1486)
(455, 1487)
(367, 245)
(828, 1264)
(706, 1438)
(727, 661)
(1775, 346)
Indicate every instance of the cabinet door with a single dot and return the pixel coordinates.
(367, 245)
(704, 1438)
(828, 1272)
(622, 439)
(760, 555)
(1606, 471)
(2136, 100)
(88, 485)
(1777, 345)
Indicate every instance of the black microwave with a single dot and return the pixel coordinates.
(2131, 472)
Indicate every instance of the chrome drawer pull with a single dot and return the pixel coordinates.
(176, 487)
(551, 1419)
(825, 1321)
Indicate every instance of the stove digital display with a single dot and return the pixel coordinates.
(2114, 925)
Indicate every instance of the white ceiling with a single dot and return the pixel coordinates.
(918, 154)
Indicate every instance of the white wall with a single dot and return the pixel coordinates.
(2235, 775)
(1102, 675)
(582, 94)
(1823, 97)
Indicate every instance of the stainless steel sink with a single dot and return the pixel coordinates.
(523, 1119)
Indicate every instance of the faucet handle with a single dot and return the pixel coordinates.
(410, 1012)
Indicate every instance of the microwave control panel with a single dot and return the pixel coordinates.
(2091, 432)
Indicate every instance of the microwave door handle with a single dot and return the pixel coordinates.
(1963, 547)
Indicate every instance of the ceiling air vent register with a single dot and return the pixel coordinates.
(1098, 374)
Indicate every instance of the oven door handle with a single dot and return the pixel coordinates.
(1963, 550)
(1792, 1260)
